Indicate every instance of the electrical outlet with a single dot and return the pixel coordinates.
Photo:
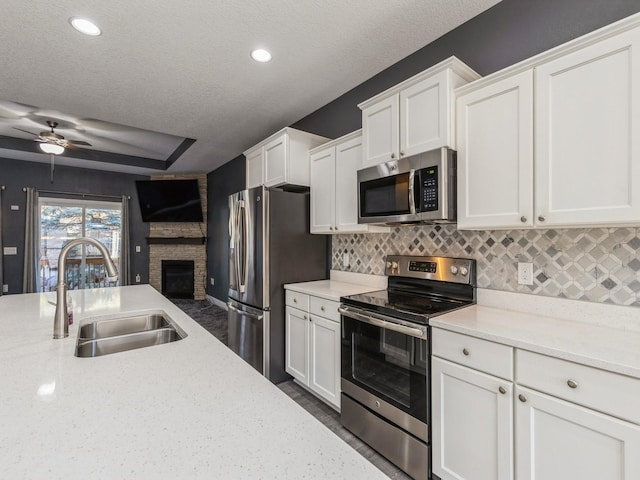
(212, 281)
(345, 260)
(5, 288)
(525, 273)
(15, 207)
(137, 278)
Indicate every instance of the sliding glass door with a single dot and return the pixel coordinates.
(62, 220)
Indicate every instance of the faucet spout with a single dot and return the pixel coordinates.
(61, 318)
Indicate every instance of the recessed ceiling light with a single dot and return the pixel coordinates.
(85, 26)
(260, 55)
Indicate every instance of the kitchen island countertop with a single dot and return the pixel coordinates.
(188, 409)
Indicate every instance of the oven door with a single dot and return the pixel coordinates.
(390, 362)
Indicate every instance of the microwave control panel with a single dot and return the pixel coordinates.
(429, 190)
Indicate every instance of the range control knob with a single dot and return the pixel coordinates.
(463, 270)
(388, 264)
(394, 265)
(454, 270)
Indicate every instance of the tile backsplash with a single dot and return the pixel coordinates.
(595, 264)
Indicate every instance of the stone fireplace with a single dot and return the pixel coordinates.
(180, 242)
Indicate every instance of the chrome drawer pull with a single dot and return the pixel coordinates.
(295, 300)
(465, 351)
(322, 309)
(502, 390)
(522, 398)
(572, 383)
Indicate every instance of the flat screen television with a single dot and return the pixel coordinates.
(169, 200)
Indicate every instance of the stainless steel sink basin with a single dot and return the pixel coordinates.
(121, 326)
(113, 335)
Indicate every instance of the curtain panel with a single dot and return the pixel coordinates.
(125, 245)
(31, 251)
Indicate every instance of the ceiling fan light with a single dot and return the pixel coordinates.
(85, 26)
(51, 148)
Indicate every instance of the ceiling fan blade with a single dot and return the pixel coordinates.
(80, 142)
(71, 146)
(26, 131)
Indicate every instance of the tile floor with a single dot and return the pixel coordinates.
(214, 319)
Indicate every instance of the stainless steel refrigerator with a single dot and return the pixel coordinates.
(269, 245)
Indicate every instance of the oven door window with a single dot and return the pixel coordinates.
(390, 365)
(385, 196)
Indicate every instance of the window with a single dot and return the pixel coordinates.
(62, 220)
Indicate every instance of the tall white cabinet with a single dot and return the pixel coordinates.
(334, 186)
(414, 116)
(554, 140)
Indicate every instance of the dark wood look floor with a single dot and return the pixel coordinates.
(214, 320)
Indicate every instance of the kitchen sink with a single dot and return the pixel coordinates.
(123, 325)
(113, 335)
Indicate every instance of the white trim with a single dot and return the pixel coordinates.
(217, 302)
(81, 203)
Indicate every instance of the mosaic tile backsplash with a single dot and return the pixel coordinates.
(595, 264)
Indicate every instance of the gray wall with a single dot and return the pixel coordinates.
(221, 183)
(15, 174)
(511, 31)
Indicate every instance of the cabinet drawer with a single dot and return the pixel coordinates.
(297, 300)
(607, 392)
(489, 357)
(324, 308)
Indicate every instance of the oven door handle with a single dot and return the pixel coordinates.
(382, 321)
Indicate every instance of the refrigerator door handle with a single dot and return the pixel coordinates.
(247, 312)
(241, 254)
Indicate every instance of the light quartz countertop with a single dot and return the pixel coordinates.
(340, 284)
(188, 409)
(602, 336)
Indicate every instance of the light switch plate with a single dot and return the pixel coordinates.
(138, 278)
(10, 250)
(15, 207)
(137, 248)
(5, 288)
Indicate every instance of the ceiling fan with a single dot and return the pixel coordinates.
(54, 143)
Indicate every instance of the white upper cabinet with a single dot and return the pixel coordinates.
(554, 141)
(281, 159)
(587, 134)
(334, 186)
(495, 154)
(414, 116)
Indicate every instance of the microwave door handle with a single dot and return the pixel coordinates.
(412, 198)
(378, 321)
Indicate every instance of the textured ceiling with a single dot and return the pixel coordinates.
(183, 68)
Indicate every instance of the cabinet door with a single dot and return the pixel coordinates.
(297, 344)
(425, 117)
(275, 161)
(558, 440)
(324, 364)
(254, 169)
(348, 162)
(471, 423)
(323, 198)
(588, 134)
(380, 130)
(495, 154)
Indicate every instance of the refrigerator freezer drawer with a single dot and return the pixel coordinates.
(246, 333)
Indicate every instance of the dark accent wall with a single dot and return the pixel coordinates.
(511, 31)
(222, 182)
(16, 174)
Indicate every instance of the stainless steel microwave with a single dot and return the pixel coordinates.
(416, 189)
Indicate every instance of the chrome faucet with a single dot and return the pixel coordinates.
(61, 319)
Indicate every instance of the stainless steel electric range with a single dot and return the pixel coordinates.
(386, 354)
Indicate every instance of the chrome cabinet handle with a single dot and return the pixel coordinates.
(502, 390)
(401, 153)
(523, 219)
(305, 317)
(572, 383)
(522, 398)
(295, 300)
(540, 218)
(335, 228)
(465, 351)
(393, 155)
(322, 309)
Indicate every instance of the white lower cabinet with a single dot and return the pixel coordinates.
(550, 420)
(471, 424)
(559, 440)
(312, 345)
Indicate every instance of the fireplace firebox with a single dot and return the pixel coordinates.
(178, 279)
